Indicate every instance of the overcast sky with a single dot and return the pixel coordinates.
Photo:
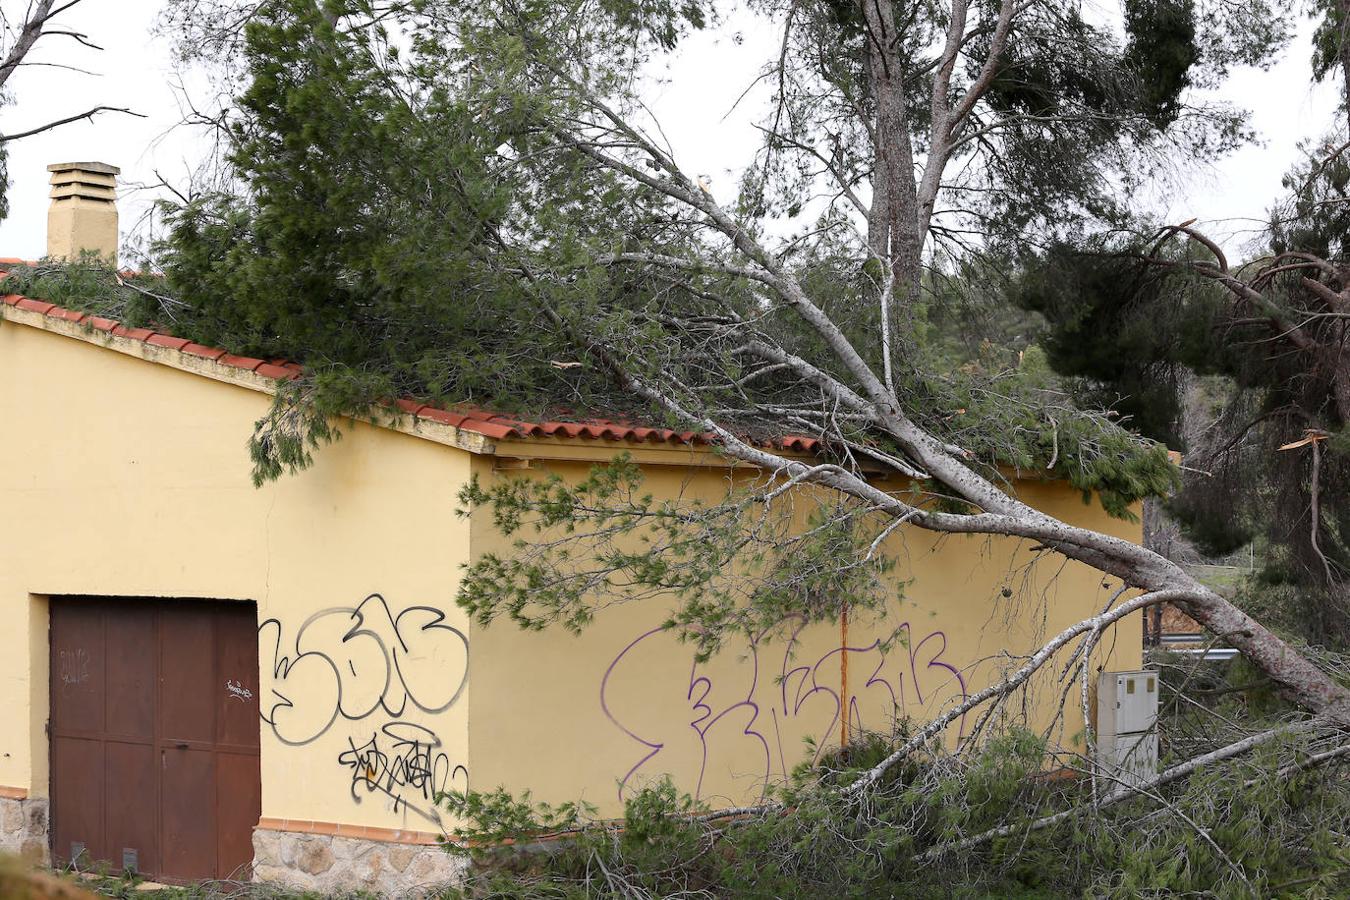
(136, 70)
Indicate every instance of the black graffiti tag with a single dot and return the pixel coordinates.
(353, 661)
(402, 761)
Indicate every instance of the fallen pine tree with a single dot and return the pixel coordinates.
(1261, 810)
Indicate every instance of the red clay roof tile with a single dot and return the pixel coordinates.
(135, 334)
(212, 353)
(240, 362)
(444, 416)
(164, 340)
(491, 429)
(37, 306)
(268, 370)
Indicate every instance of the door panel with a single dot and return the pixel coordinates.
(237, 810)
(78, 799)
(189, 826)
(188, 696)
(131, 686)
(155, 733)
(132, 785)
(77, 667)
(237, 690)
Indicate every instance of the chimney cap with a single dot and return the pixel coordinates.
(101, 168)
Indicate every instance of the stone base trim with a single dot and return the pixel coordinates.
(23, 825)
(360, 832)
(326, 861)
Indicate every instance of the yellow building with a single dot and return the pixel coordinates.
(198, 676)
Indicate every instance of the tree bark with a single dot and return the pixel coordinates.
(28, 35)
(1340, 378)
(1343, 50)
(893, 228)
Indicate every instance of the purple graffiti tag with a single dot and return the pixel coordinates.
(936, 662)
(801, 696)
(906, 694)
(748, 731)
(806, 693)
(748, 703)
(699, 705)
(874, 679)
(652, 748)
(705, 718)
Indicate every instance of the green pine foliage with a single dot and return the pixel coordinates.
(1161, 54)
(1014, 415)
(364, 248)
(1272, 834)
(1328, 37)
(88, 285)
(739, 565)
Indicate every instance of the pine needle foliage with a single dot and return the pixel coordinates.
(727, 565)
(1238, 831)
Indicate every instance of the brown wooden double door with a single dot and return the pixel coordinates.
(154, 735)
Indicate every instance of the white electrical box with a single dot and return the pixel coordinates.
(1127, 759)
(1127, 702)
(1127, 718)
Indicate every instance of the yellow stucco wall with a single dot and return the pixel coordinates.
(597, 715)
(120, 477)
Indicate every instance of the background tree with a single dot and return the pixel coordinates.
(1137, 313)
(19, 34)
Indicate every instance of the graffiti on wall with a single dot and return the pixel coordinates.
(749, 716)
(405, 763)
(74, 667)
(368, 664)
(373, 672)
